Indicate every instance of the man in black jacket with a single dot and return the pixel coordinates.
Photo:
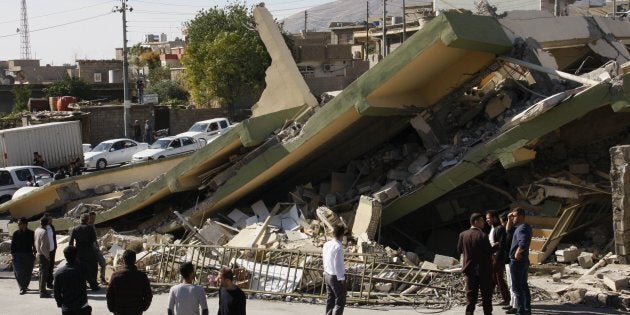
(231, 298)
(475, 246)
(497, 238)
(70, 290)
(23, 252)
(129, 291)
(85, 237)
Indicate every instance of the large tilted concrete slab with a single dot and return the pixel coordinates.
(483, 156)
(431, 64)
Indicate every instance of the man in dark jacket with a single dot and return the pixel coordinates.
(23, 252)
(85, 237)
(475, 246)
(70, 290)
(129, 291)
(231, 298)
(497, 238)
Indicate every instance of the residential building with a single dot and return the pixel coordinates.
(30, 71)
(100, 71)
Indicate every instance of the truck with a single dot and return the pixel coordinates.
(59, 143)
(207, 130)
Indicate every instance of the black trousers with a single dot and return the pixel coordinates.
(23, 269)
(51, 266)
(336, 295)
(475, 283)
(84, 311)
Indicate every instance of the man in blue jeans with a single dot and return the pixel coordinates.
(519, 260)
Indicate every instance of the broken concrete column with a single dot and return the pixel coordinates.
(387, 192)
(429, 140)
(366, 218)
(620, 184)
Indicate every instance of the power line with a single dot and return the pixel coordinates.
(58, 12)
(59, 25)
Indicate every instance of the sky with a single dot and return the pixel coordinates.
(62, 31)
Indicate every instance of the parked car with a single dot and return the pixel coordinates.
(167, 146)
(13, 178)
(207, 130)
(110, 152)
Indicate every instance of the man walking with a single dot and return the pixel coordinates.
(70, 290)
(475, 246)
(42, 246)
(497, 238)
(231, 298)
(519, 259)
(129, 291)
(52, 239)
(85, 238)
(22, 252)
(334, 273)
(186, 298)
(99, 255)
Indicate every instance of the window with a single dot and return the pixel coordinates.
(175, 144)
(23, 174)
(5, 178)
(97, 77)
(118, 146)
(42, 173)
(214, 126)
(307, 71)
(129, 144)
(187, 141)
(223, 124)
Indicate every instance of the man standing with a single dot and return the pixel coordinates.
(148, 132)
(38, 159)
(70, 290)
(519, 259)
(510, 308)
(22, 252)
(129, 291)
(52, 239)
(140, 88)
(497, 237)
(186, 298)
(99, 255)
(85, 238)
(42, 246)
(475, 246)
(231, 298)
(137, 131)
(334, 273)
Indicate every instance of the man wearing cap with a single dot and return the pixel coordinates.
(476, 264)
(85, 236)
(23, 252)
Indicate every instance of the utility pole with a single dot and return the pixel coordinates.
(305, 22)
(614, 9)
(25, 43)
(127, 102)
(404, 22)
(367, 28)
(384, 42)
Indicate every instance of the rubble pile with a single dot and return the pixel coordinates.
(98, 199)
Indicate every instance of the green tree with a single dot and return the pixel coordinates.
(158, 74)
(225, 56)
(21, 94)
(72, 86)
(134, 55)
(169, 92)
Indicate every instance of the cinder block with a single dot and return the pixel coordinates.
(585, 260)
(616, 281)
(568, 255)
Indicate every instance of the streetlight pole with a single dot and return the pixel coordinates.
(127, 103)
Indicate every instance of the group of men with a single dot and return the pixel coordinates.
(129, 290)
(139, 135)
(489, 255)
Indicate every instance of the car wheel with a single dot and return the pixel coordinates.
(4, 199)
(101, 164)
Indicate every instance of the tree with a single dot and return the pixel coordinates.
(169, 92)
(225, 56)
(21, 94)
(72, 86)
(134, 55)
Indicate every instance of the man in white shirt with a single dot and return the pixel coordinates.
(186, 298)
(52, 240)
(334, 273)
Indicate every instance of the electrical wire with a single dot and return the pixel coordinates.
(59, 25)
(58, 12)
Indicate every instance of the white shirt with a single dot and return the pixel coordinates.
(51, 239)
(491, 236)
(185, 299)
(333, 259)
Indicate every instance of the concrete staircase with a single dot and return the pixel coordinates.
(542, 231)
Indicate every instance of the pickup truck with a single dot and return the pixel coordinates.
(207, 130)
(13, 178)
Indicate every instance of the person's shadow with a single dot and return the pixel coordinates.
(562, 309)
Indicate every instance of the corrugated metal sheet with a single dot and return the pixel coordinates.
(59, 143)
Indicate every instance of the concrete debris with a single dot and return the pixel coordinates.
(387, 192)
(568, 255)
(616, 281)
(366, 219)
(216, 233)
(585, 260)
(329, 218)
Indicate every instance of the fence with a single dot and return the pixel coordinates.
(369, 278)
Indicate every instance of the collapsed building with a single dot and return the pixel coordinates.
(471, 113)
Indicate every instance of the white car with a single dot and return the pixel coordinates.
(207, 130)
(13, 178)
(164, 147)
(110, 152)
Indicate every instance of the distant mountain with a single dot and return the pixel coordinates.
(319, 17)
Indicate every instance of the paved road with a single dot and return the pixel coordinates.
(11, 303)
